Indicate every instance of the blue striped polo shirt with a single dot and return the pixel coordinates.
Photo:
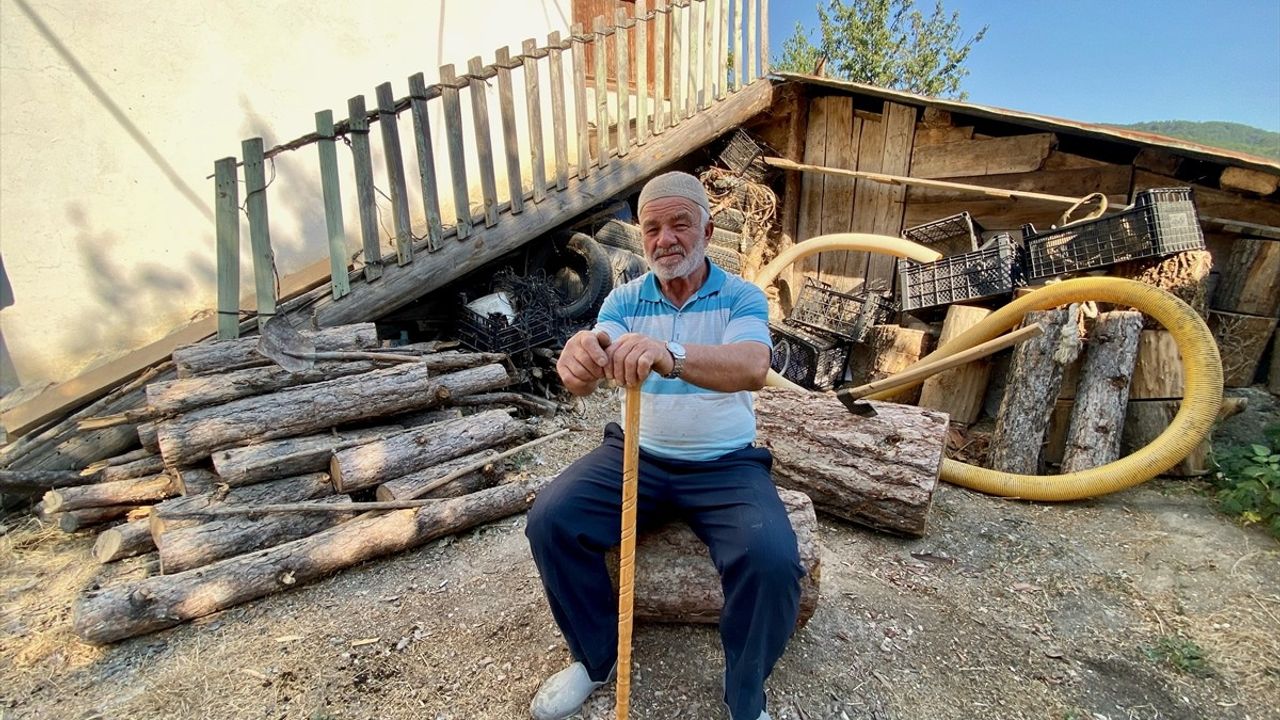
(677, 419)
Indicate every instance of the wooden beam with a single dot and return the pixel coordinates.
(426, 159)
(580, 102)
(559, 126)
(1236, 178)
(623, 93)
(457, 151)
(227, 200)
(393, 158)
(507, 107)
(362, 159)
(994, 156)
(331, 188)
(601, 93)
(255, 199)
(484, 141)
(533, 103)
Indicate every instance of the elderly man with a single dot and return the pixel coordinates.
(698, 340)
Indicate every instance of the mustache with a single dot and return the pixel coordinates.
(674, 250)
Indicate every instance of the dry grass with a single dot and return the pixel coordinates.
(1243, 638)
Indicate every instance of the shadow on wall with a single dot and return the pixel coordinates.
(125, 294)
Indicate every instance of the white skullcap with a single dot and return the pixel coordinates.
(675, 184)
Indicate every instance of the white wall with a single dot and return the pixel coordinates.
(106, 223)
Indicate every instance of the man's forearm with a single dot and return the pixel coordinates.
(725, 368)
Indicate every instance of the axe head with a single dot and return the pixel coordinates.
(860, 408)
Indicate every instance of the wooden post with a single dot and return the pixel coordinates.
(426, 159)
(457, 151)
(662, 23)
(394, 159)
(506, 104)
(707, 50)
(559, 131)
(958, 392)
(533, 101)
(751, 40)
(361, 158)
(722, 52)
(739, 57)
(1097, 419)
(764, 37)
(677, 72)
(624, 93)
(693, 32)
(580, 102)
(255, 198)
(227, 202)
(602, 94)
(1034, 379)
(329, 186)
(484, 142)
(642, 71)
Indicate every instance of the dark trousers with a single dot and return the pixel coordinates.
(729, 502)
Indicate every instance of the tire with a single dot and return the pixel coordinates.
(581, 273)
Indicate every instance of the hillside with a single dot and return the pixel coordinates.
(1228, 135)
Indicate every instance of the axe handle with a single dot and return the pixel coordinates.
(919, 372)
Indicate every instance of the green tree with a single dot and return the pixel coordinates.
(889, 43)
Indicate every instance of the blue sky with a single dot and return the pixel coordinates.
(1111, 62)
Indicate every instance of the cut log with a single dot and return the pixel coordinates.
(1254, 181)
(195, 481)
(888, 350)
(876, 471)
(132, 455)
(1146, 419)
(166, 600)
(290, 456)
(407, 487)
(958, 392)
(135, 491)
(1185, 275)
(379, 461)
(198, 545)
(1157, 374)
(123, 541)
(228, 355)
(1250, 281)
(677, 582)
(73, 520)
(183, 395)
(1242, 339)
(147, 436)
(996, 156)
(1032, 387)
(152, 465)
(524, 401)
(33, 482)
(1097, 420)
(189, 438)
(290, 489)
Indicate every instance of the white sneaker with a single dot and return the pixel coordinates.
(563, 694)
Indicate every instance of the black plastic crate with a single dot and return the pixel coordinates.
(532, 327)
(973, 275)
(949, 236)
(743, 154)
(1161, 222)
(808, 359)
(842, 314)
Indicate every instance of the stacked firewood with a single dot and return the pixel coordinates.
(246, 467)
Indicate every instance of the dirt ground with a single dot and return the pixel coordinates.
(1145, 604)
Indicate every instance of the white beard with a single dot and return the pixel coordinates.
(687, 266)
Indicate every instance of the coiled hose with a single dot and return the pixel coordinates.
(1201, 369)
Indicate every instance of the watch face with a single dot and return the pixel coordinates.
(676, 349)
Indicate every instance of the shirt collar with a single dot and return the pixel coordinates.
(713, 283)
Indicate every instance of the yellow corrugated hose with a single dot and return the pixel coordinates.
(1201, 370)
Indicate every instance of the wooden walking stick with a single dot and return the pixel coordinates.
(627, 552)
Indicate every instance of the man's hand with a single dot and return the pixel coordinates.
(583, 362)
(633, 356)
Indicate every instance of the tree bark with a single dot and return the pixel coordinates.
(194, 546)
(1146, 419)
(1034, 380)
(195, 481)
(179, 396)
(123, 541)
(1157, 373)
(377, 462)
(1250, 281)
(189, 438)
(291, 456)
(958, 392)
(73, 520)
(1097, 419)
(1242, 339)
(153, 465)
(677, 582)
(33, 482)
(121, 492)
(165, 600)
(132, 455)
(226, 355)
(406, 486)
(535, 405)
(290, 489)
(876, 471)
(1185, 275)
(148, 438)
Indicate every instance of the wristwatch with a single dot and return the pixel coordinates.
(677, 360)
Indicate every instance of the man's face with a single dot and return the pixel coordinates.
(675, 238)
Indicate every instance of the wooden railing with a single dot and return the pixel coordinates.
(694, 57)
